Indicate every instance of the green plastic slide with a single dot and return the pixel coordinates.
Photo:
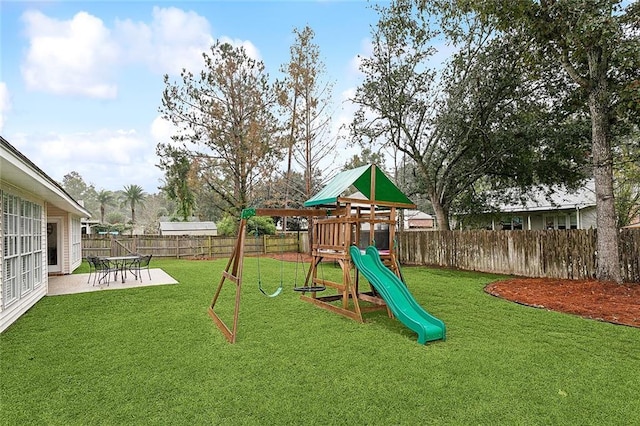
(397, 296)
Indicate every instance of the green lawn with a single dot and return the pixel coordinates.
(152, 355)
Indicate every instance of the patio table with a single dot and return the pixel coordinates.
(120, 263)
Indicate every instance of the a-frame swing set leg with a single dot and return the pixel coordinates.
(235, 276)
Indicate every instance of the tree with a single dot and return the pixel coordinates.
(226, 125)
(177, 186)
(227, 226)
(596, 43)
(133, 196)
(105, 198)
(473, 119)
(627, 181)
(306, 100)
(366, 156)
(75, 186)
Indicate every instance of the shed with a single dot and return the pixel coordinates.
(416, 219)
(188, 228)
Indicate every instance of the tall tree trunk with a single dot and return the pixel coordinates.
(608, 257)
(442, 213)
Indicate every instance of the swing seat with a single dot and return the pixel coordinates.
(310, 289)
(274, 294)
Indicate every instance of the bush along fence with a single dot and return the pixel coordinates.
(548, 253)
(190, 246)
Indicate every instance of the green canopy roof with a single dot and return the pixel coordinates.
(360, 178)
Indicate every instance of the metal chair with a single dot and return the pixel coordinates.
(141, 263)
(104, 268)
(91, 260)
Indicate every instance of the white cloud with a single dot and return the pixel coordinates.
(366, 51)
(82, 56)
(251, 50)
(5, 102)
(69, 57)
(161, 130)
(107, 159)
(174, 40)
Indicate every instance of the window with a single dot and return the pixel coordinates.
(573, 220)
(557, 221)
(76, 239)
(22, 237)
(550, 222)
(510, 223)
(10, 259)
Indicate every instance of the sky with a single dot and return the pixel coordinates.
(81, 81)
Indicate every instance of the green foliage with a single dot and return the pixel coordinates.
(480, 117)
(305, 100)
(177, 169)
(596, 45)
(115, 217)
(105, 198)
(365, 157)
(227, 126)
(227, 226)
(75, 186)
(261, 225)
(627, 180)
(108, 228)
(133, 196)
(153, 356)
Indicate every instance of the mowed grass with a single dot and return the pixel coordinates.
(152, 355)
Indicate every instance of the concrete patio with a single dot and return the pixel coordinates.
(77, 283)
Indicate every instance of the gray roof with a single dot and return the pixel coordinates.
(417, 214)
(187, 226)
(557, 199)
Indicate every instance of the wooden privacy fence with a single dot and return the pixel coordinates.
(189, 246)
(549, 253)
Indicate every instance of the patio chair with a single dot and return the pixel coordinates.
(91, 260)
(104, 268)
(140, 264)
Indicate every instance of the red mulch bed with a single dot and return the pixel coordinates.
(603, 301)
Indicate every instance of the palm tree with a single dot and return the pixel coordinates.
(105, 198)
(133, 194)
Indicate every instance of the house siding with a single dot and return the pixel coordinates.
(71, 238)
(544, 219)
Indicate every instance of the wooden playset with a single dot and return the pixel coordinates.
(354, 203)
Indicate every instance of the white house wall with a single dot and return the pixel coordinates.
(588, 218)
(71, 250)
(584, 219)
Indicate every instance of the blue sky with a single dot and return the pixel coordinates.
(81, 81)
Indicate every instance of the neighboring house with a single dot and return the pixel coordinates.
(87, 225)
(40, 233)
(188, 228)
(560, 209)
(415, 219)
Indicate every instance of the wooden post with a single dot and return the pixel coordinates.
(235, 275)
